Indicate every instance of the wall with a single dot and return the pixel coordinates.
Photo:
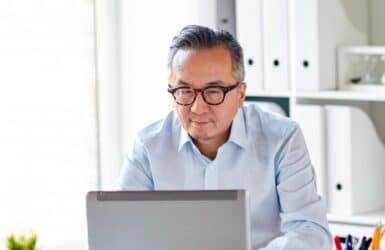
(377, 22)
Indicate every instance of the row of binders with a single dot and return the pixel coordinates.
(352, 243)
(289, 42)
(348, 156)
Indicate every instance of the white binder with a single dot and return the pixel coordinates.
(356, 159)
(249, 35)
(275, 44)
(311, 119)
(318, 27)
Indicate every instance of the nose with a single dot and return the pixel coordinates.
(199, 106)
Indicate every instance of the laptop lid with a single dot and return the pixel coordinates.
(168, 220)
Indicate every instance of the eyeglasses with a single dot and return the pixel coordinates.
(212, 95)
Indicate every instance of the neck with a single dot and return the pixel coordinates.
(209, 147)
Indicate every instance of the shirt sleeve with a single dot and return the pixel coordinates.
(135, 173)
(303, 212)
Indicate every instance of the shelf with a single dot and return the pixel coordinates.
(365, 50)
(342, 95)
(263, 93)
(363, 219)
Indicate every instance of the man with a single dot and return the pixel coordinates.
(211, 141)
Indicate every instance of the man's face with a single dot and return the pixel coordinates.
(198, 69)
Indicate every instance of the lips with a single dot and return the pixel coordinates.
(199, 123)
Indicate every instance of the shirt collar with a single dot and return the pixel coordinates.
(237, 133)
(184, 138)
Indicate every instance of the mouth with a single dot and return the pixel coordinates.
(199, 123)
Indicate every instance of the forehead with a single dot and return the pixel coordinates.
(202, 65)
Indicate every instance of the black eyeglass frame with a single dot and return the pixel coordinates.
(225, 90)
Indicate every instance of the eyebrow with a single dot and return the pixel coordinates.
(212, 83)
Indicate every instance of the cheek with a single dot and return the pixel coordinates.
(226, 116)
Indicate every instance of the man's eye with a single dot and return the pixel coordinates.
(213, 91)
(186, 91)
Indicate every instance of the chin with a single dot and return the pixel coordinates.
(200, 136)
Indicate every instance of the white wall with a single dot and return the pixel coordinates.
(108, 92)
(47, 120)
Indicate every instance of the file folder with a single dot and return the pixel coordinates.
(249, 35)
(311, 119)
(275, 44)
(305, 44)
(318, 27)
(356, 157)
(225, 15)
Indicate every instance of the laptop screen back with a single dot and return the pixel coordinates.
(168, 220)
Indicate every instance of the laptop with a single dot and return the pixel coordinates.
(168, 220)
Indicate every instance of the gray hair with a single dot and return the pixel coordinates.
(200, 37)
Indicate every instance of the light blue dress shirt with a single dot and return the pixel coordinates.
(265, 154)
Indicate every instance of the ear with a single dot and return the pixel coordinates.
(242, 93)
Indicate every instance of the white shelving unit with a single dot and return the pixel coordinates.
(342, 95)
(374, 106)
(371, 101)
(364, 219)
(264, 93)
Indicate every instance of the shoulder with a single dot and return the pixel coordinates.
(268, 124)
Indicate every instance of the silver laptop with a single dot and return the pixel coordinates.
(168, 220)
